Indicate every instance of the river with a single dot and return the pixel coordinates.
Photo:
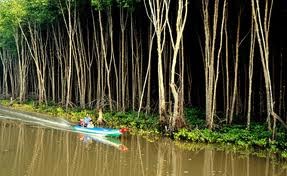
(33, 146)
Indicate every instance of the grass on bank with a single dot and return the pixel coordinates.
(237, 137)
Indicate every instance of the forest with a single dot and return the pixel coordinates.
(227, 58)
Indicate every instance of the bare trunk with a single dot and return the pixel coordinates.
(108, 67)
(281, 86)
(37, 47)
(133, 65)
(96, 54)
(104, 57)
(100, 120)
(155, 10)
(211, 75)
(148, 72)
(263, 46)
(12, 67)
(123, 67)
(177, 120)
(70, 30)
(227, 106)
(80, 61)
(234, 95)
(262, 31)
(22, 65)
(3, 58)
(250, 75)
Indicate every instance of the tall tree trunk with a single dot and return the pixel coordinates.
(211, 75)
(157, 9)
(37, 47)
(62, 63)
(4, 58)
(234, 95)
(262, 37)
(105, 62)
(80, 61)
(262, 27)
(70, 27)
(23, 66)
(108, 65)
(148, 72)
(96, 54)
(133, 64)
(227, 106)
(177, 120)
(12, 68)
(51, 68)
(123, 61)
(250, 75)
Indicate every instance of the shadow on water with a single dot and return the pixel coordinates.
(34, 150)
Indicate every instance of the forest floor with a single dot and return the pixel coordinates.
(256, 140)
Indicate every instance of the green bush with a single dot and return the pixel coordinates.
(131, 120)
(256, 138)
(284, 154)
(195, 118)
(196, 135)
(4, 102)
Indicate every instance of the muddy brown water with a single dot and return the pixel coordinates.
(37, 149)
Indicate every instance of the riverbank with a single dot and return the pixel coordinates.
(237, 138)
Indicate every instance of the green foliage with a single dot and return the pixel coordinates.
(16, 12)
(195, 118)
(284, 154)
(39, 11)
(11, 13)
(131, 120)
(4, 102)
(128, 4)
(196, 135)
(104, 4)
(256, 138)
(281, 139)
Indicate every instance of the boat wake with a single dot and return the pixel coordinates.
(45, 121)
(57, 123)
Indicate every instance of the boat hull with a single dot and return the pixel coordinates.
(98, 131)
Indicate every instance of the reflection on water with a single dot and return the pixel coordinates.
(111, 141)
(38, 151)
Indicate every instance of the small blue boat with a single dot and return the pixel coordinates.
(100, 131)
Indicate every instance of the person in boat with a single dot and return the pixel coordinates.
(87, 120)
(81, 123)
(91, 124)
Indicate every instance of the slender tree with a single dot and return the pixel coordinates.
(177, 120)
(69, 22)
(250, 75)
(262, 28)
(235, 85)
(157, 12)
(211, 74)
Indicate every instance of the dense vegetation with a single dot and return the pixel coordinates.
(153, 56)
